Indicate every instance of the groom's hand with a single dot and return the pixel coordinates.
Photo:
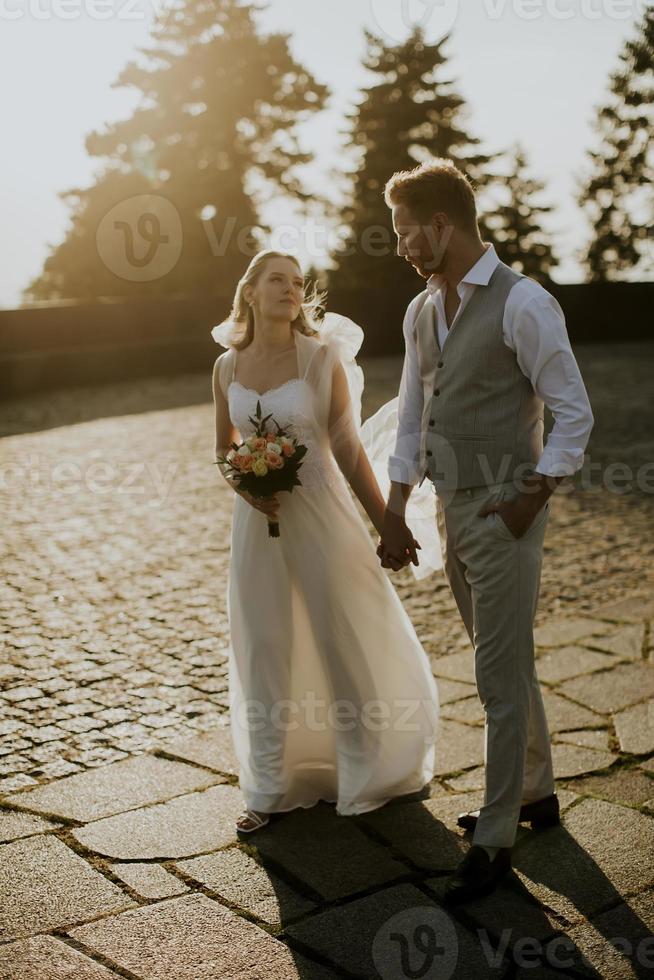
(518, 514)
(397, 546)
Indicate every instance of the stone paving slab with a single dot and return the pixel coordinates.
(573, 760)
(458, 747)
(627, 642)
(48, 958)
(509, 914)
(592, 738)
(241, 881)
(631, 609)
(14, 825)
(613, 690)
(188, 938)
(449, 690)
(563, 714)
(112, 789)
(149, 880)
(425, 832)
(634, 727)
(182, 827)
(567, 631)
(456, 667)
(46, 885)
(628, 786)
(363, 936)
(345, 862)
(470, 780)
(213, 750)
(560, 664)
(618, 943)
(603, 851)
(469, 711)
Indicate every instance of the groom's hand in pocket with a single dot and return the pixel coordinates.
(518, 514)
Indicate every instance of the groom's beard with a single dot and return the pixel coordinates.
(429, 267)
(435, 267)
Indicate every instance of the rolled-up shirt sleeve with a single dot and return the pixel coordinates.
(534, 327)
(404, 462)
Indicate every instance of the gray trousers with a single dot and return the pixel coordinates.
(495, 579)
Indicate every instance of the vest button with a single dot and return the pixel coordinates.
(431, 421)
(436, 392)
(429, 452)
(440, 364)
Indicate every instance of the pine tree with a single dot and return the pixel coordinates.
(515, 224)
(407, 115)
(215, 135)
(618, 196)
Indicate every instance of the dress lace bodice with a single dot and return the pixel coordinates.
(291, 406)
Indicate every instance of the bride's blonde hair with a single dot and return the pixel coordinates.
(242, 314)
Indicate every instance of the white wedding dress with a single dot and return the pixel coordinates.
(331, 693)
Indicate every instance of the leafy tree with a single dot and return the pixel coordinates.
(213, 138)
(618, 196)
(515, 225)
(407, 114)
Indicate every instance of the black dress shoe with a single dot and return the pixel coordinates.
(540, 814)
(476, 875)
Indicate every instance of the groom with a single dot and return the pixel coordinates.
(486, 348)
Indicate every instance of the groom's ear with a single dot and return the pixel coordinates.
(440, 219)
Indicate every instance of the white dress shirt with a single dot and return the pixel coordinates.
(534, 328)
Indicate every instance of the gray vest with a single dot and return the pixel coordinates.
(482, 421)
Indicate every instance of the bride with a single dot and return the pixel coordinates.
(331, 692)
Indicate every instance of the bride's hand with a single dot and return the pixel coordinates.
(397, 547)
(267, 505)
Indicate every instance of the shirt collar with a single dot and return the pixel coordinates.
(478, 275)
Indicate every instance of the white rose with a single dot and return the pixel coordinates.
(244, 451)
(272, 447)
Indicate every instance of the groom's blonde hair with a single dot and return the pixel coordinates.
(436, 185)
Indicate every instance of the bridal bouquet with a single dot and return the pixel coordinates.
(266, 462)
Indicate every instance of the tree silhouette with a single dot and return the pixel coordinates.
(515, 225)
(213, 138)
(409, 113)
(618, 196)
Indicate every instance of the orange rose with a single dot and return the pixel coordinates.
(274, 461)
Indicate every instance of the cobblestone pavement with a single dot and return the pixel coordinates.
(118, 789)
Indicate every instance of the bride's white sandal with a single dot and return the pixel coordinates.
(253, 818)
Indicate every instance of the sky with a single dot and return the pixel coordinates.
(529, 70)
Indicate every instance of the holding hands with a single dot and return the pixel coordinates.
(397, 546)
